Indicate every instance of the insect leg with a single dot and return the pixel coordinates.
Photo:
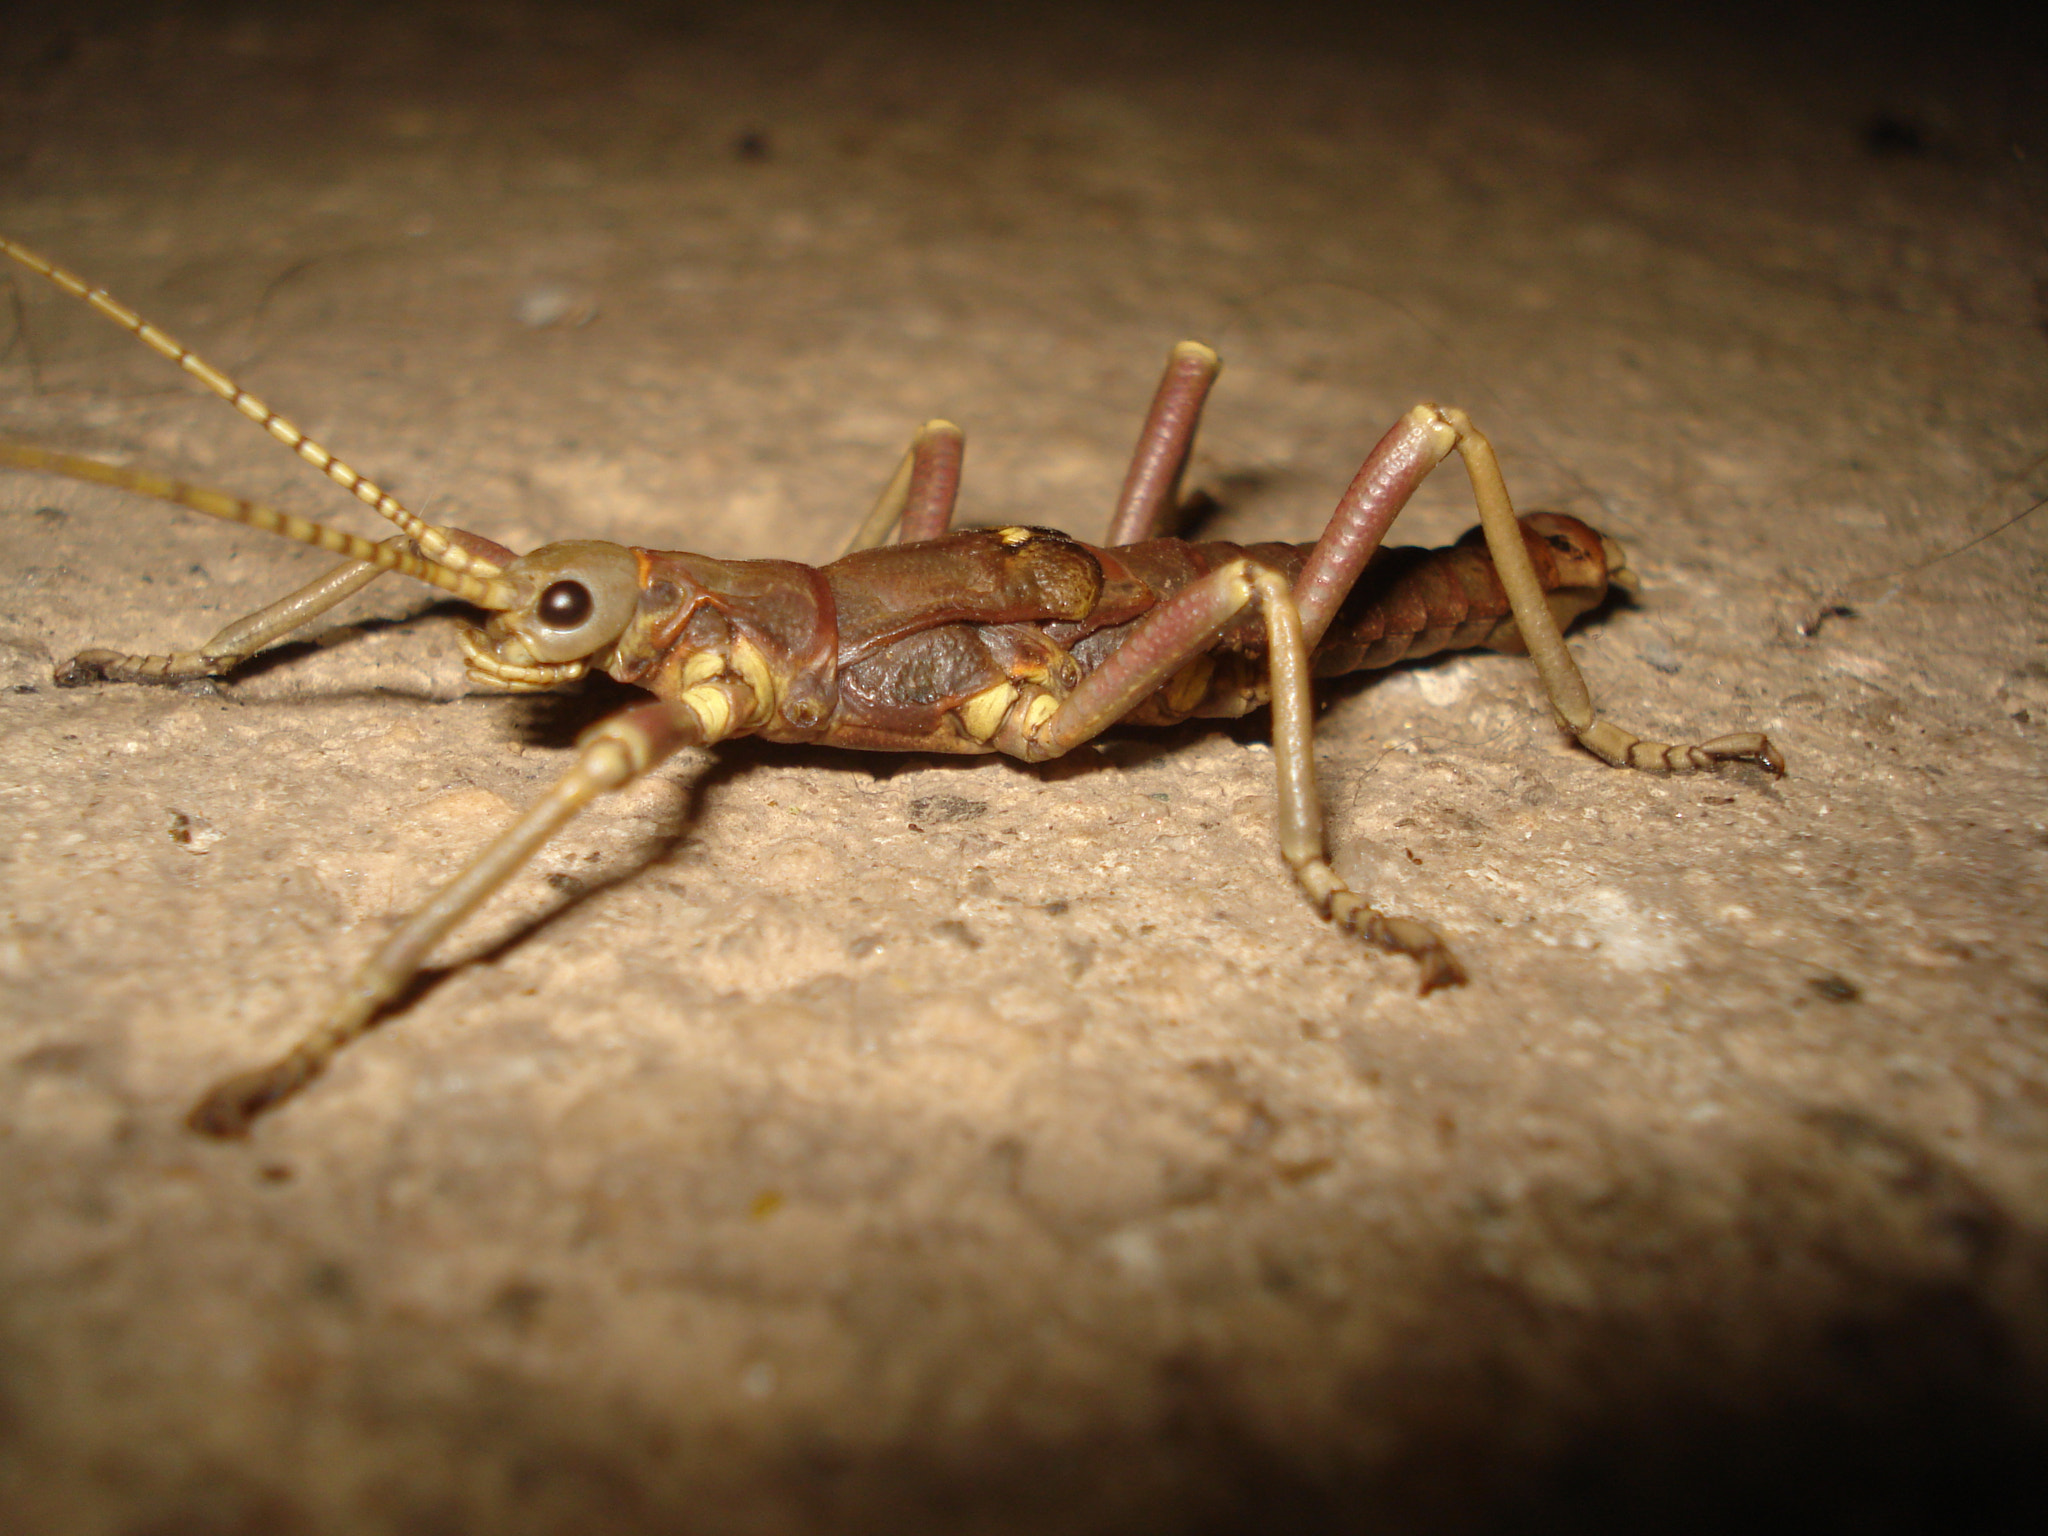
(935, 456)
(1398, 463)
(234, 644)
(921, 493)
(1151, 492)
(610, 754)
(248, 635)
(1562, 681)
(1184, 628)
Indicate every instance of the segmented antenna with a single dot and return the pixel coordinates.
(484, 591)
(434, 542)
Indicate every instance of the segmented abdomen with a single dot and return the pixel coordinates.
(1415, 602)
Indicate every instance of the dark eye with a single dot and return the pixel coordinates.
(565, 605)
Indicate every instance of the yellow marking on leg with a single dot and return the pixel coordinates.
(1041, 709)
(712, 709)
(752, 668)
(1190, 685)
(981, 715)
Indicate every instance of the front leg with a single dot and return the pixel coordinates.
(250, 634)
(234, 644)
(610, 755)
(1167, 639)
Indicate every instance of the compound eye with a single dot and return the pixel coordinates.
(583, 597)
(565, 605)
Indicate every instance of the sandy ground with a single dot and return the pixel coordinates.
(815, 1142)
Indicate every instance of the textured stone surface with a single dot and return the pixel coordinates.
(814, 1142)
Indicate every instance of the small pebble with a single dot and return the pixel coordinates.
(555, 304)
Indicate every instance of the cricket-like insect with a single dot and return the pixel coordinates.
(1016, 640)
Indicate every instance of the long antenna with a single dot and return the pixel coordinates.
(435, 543)
(484, 591)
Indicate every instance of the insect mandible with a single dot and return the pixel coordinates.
(1017, 640)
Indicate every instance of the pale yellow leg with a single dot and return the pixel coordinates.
(611, 754)
(234, 644)
(1185, 626)
(1562, 681)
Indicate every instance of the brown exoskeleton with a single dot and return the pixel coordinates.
(1016, 640)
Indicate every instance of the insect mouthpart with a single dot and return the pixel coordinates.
(1618, 573)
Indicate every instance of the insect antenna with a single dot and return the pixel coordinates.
(437, 544)
(486, 591)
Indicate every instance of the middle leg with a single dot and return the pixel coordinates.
(919, 497)
(1151, 493)
(1178, 631)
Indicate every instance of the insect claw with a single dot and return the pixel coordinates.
(1405, 936)
(82, 670)
(230, 1107)
(1747, 747)
(1399, 936)
(1440, 968)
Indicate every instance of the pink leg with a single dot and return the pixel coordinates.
(935, 456)
(1151, 491)
(1415, 445)
(920, 495)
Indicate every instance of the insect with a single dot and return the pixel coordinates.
(1017, 640)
